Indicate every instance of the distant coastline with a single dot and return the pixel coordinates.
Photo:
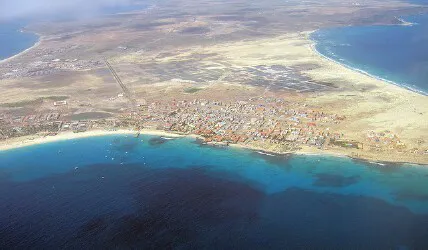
(401, 85)
(5, 60)
(25, 50)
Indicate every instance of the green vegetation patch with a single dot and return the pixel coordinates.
(192, 90)
(33, 102)
(56, 98)
(345, 144)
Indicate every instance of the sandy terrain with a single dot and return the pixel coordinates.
(368, 103)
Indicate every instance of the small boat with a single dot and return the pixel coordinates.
(137, 135)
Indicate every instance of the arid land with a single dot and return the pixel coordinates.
(243, 73)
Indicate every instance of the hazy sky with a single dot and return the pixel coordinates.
(10, 9)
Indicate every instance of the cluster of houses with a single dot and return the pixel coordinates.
(267, 120)
(49, 123)
(386, 138)
(257, 119)
(46, 67)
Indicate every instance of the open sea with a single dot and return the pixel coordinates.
(156, 193)
(395, 53)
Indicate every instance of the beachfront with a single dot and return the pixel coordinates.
(273, 121)
(375, 156)
(268, 122)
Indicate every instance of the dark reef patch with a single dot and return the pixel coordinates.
(277, 159)
(383, 167)
(125, 144)
(156, 141)
(334, 180)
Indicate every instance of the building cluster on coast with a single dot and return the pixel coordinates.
(45, 123)
(256, 121)
(47, 61)
(46, 67)
(260, 119)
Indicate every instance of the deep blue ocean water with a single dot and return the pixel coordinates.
(125, 192)
(396, 53)
(12, 40)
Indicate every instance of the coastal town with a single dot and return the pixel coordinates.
(214, 124)
(265, 123)
(227, 78)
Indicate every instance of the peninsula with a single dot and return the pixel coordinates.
(233, 74)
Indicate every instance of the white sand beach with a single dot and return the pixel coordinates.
(25, 141)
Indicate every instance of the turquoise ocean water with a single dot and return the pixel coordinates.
(148, 192)
(154, 192)
(398, 54)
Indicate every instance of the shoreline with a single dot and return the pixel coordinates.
(35, 45)
(314, 43)
(34, 140)
(309, 151)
